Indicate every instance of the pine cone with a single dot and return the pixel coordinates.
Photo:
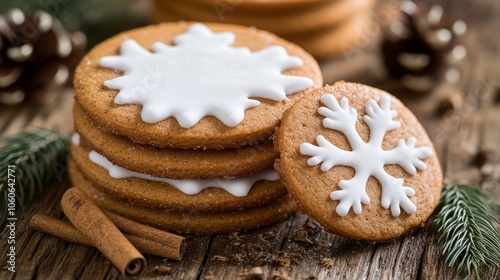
(36, 55)
(420, 46)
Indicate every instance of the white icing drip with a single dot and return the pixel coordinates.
(367, 158)
(75, 139)
(202, 75)
(238, 187)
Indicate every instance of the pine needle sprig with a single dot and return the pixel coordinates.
(35, 155)
(469, 230)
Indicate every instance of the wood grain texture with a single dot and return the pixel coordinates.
(280, 251)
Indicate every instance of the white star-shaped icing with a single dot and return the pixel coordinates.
(201, 75)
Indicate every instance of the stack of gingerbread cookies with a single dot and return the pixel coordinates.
(174, 123)
(324, 28)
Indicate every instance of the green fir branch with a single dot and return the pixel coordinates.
(468, 229)
(35, 155)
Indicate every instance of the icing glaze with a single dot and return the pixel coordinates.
(201, 75)
(75, 139)
(367, 158)
(238, 187)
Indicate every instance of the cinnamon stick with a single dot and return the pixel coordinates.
(175, 242)
(92, 223)
(69, 233)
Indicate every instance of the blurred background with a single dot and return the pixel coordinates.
(97, 19)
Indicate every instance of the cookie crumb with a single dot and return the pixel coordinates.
(234, 235)
(327, 262)
(295, 248)
(263, 251)
(281, 274)
(238, 259)
(310, 224)
(163, 269)
(236, 239)
(267, 236)
(301, 236)
(255, 273)
(220, 258)
(323, 247)
(285, 261)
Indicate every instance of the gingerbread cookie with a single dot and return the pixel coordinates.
(257, 5)
(212, 86)
(359, 162)
(340, 38)
(282, 23)
(199, 223)
(174, 163)
(187, 195)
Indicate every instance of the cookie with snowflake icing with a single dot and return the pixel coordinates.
(358, 161)
(187, 222)
(174, 163)
(173, 195)
(193, 85)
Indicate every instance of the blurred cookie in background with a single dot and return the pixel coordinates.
(324, 28)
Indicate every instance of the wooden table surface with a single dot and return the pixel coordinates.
(280, 251)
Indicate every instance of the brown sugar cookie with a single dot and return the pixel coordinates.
(198, 223)
(282, 23)
(174, 163)
(166, 194)
(185, 85)
(359, 162)
(258, 5)
(337, 39)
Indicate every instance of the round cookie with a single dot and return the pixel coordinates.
(174, 163)
(149, 193)
(282, 23)
(336, 39)
(362, 165)
(258, 5)
(199, 223)
(210, 132)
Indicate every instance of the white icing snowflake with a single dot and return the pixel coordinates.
(201, 75)
(367, 158)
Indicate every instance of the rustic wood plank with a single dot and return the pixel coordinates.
(490, 171)
(49, 119)
(56, 116)
(68, 264)
(344, 258)
(261, 244)
(190, 267)
(20, 120)
(6, 116)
